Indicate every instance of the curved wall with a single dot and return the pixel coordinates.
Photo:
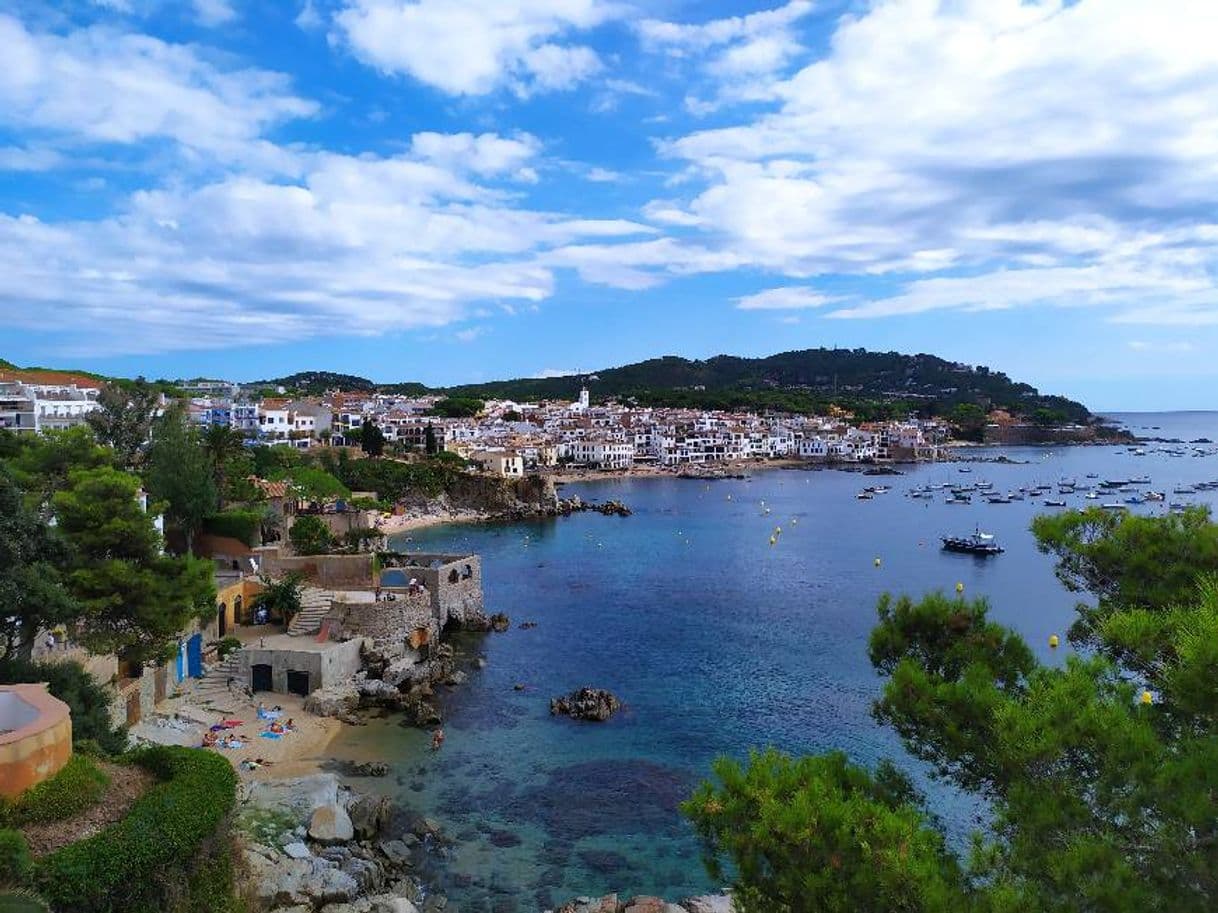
(35, 737)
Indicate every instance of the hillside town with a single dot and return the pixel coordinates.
(504, 437)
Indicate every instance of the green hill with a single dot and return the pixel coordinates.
(872, 384)
(808, 380)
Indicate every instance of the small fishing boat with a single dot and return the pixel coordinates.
(1052, 503)
(864, 495)
(978, 543)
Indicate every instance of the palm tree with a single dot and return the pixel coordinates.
(222, 443)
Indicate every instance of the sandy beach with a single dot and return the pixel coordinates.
(184, 719)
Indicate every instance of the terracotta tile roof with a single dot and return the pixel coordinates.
(269, 488)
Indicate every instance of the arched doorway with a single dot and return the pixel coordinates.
(237, 617)
(222, 619)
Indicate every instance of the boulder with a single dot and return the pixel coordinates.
(387, 903)
(396, 851)
(295, 798)
(595, 704)
(500, 622)
(336, 701)
(369, 815)
(297, 850)
(651, 905)
(331, 824)
(710, 903)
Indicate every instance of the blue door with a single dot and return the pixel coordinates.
(194, 656)
(179, 670)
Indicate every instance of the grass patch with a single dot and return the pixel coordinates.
(265, 826)
(15, 861)
(78, 785)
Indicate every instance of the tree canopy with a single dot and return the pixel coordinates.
(123, 419)
(180, 474)
(1101, 773)
(77, 549)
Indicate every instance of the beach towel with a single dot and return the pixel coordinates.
(271, 735)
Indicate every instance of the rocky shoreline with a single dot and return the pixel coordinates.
(311, 844)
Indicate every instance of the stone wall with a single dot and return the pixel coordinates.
(331, 572)
(453, 581)
(385, 622)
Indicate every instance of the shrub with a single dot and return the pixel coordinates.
(89, 702)
(15, 862)
(78, 785)
(227, 645)
(138, 863)
(309, 535)
(244, 525)
(19, 901)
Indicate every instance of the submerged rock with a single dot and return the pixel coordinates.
(500, 622)
(594, 704)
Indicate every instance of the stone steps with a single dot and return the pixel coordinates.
(314, 606)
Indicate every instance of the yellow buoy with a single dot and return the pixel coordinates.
(773, 539)
(959, 587)
(1147, 697)
(777, 530)
(1053, 641)
(877, 562)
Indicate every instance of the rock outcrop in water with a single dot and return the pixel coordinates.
(594, 704)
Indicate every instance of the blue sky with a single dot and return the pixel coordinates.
(458, 190)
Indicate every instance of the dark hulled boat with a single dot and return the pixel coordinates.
(977, 544)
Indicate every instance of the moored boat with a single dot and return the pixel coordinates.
(978, 543)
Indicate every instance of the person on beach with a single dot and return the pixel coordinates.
(437, 739)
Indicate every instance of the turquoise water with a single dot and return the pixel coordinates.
(716, 641)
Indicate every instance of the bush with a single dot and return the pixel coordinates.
(309, 535)
(135, 866)
(89, 702)
(78, 785)
(227, 645)
(15, 861)
(244, 525)
(19, 901)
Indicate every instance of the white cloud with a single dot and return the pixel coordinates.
(604, 176)
(97, 85)
(473, 47)
(355, 245)
(309, 18)
(486, 154)
(741, 53)
(783, 298)
(214, 12)
(1012, 139)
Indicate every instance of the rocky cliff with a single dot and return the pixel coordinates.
(489, 496)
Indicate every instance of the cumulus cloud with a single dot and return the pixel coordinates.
(473, 47)
(214, 12)
(740, 52)
(1074, 145)
(97, 85)
(355, 245)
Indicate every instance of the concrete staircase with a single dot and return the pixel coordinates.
(213, 687)
(314, 606)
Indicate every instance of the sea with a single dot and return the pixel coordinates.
(718, 642)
